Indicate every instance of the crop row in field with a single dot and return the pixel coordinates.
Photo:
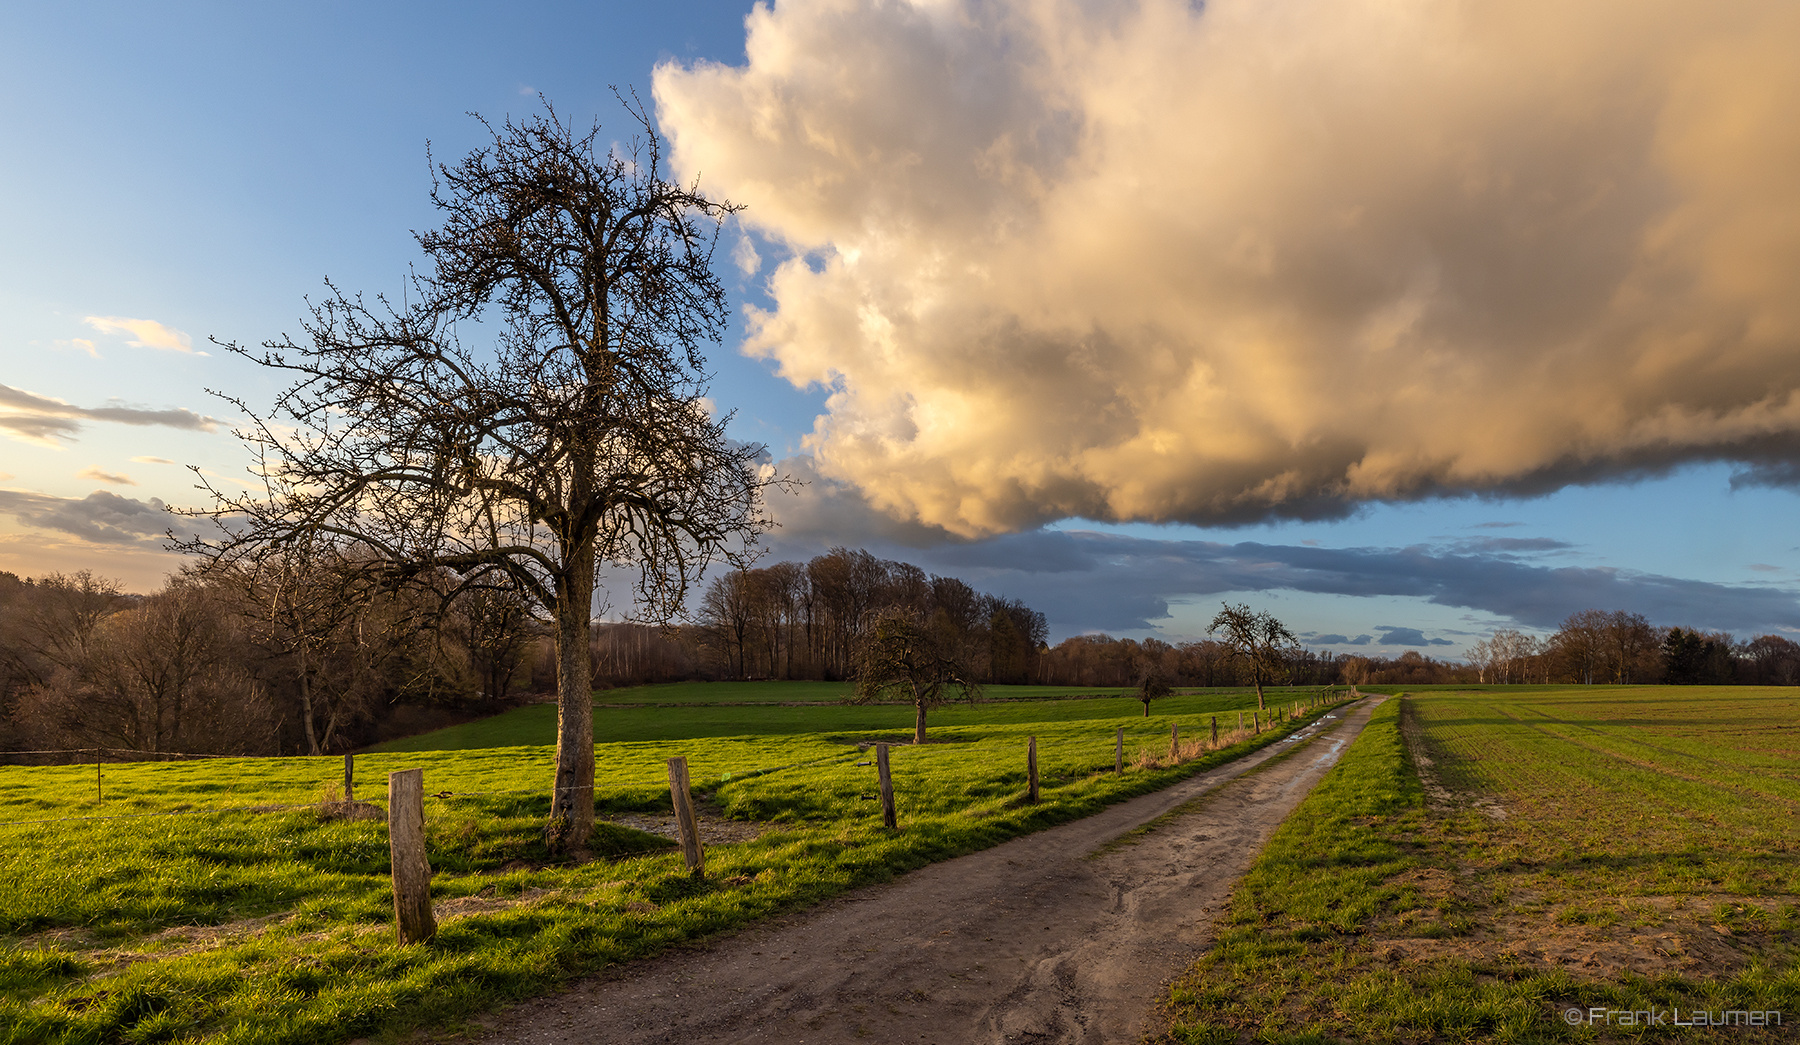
(1481, 862)
(275, 926)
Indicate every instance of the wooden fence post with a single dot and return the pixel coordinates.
(1119, 751)
(1215, 730)
(685, 824)
(888, 816)
(349, 779)
(1255, 724)
(1031, 787)
(406, 850)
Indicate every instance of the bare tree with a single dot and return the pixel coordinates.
(1581, 644)
(576, 434)
(1629, 642)
(1154, 684)
(903, 652)
(727, 609)
(495, 629)
(1258, 641)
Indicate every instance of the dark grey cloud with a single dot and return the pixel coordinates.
(1392, 636)
(100, 517)
(1783, 475)
(1089, 581)
(43, 419)
(1312, 639)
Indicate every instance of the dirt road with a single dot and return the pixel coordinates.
(1041, 939)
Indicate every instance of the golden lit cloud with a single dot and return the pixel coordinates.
(1166, 261)
(80, 344)
(144, 333)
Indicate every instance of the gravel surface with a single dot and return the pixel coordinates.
(1058, 936)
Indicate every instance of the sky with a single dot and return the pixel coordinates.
(1404, 320)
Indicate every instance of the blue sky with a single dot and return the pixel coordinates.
(202, 167)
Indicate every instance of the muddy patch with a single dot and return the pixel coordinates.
(1439, 798)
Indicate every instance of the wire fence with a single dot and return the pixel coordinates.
(102, 756)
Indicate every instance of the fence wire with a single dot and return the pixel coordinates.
(725, 777)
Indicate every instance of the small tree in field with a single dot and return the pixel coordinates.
(903, 653)
(1257, 640)
(576, 433)
(1152, 686)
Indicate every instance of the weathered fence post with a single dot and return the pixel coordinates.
(887, 786)
(1119, 751)
(349, 779)
(1031, 788)
(1215, 730)
(1255, 724)
(685, 824)
(406, 850)
(1175, 741)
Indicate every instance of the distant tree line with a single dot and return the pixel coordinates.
(291, 658)
(794, 620)
(1616, 646)
(300, 654)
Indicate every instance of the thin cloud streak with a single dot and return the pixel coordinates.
(99, 476)
(50, 422)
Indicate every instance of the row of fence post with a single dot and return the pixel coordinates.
(406, 820)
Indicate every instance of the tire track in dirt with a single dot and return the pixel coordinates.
(1066, 935)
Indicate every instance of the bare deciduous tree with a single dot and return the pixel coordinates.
(1258, 641)
(576, 434)
(1152, 686)
(902, 651)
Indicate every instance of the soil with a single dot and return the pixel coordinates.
(1067, 935)
(1640, 935)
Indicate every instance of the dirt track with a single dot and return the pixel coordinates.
(1035, 940)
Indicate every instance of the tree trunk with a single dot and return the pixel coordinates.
(306, 706)
(1146, 709)
(572, 803)
(918, 716)
(1257, 678)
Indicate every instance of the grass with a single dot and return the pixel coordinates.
(774, 691)
(275, 925)
(1631, 848)
(639, 722)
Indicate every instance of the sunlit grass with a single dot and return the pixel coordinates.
(1593, 850)
(275, 926)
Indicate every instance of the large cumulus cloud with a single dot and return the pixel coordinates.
(1211, 263)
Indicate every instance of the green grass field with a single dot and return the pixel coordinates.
(1482, 861)
(781, 692)
(269, 924)
(638, 721)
